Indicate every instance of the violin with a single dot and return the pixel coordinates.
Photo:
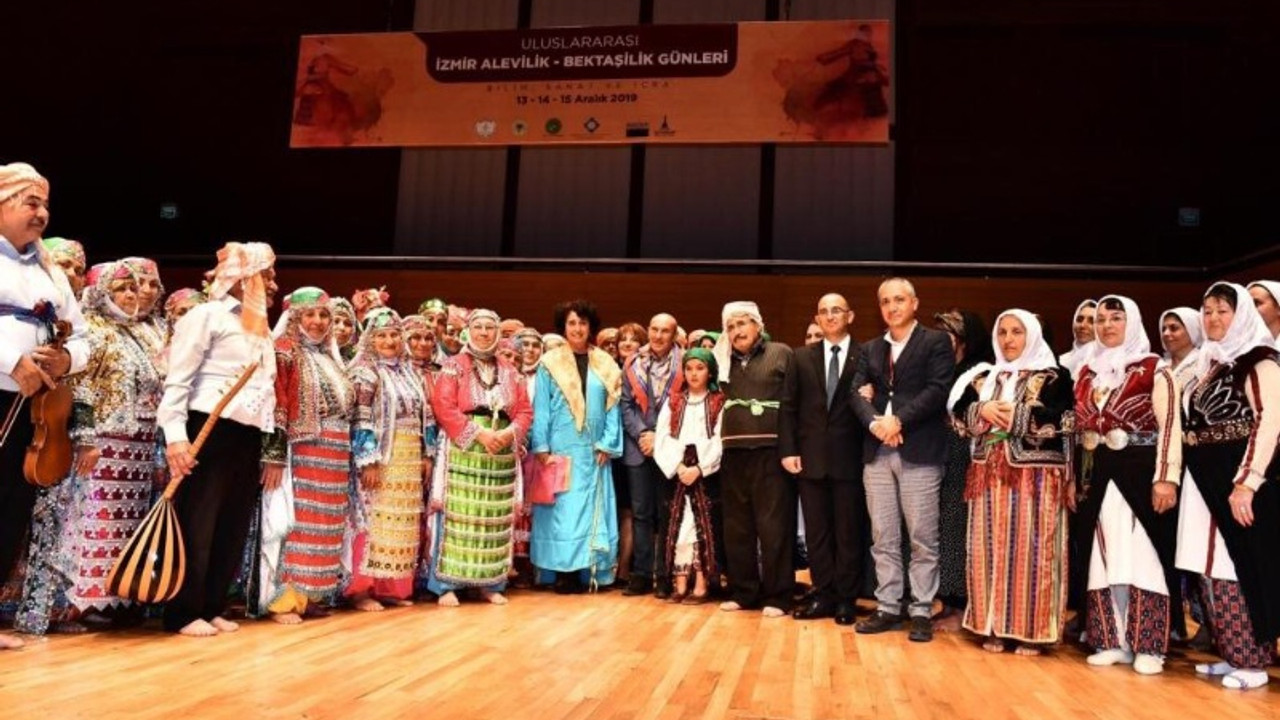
(48, 458)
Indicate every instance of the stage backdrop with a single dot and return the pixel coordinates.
(751, 82)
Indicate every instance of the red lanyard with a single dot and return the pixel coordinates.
(890, 367)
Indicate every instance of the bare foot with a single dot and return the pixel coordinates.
(448, 600)
(9, 642)
(368, 604)
(495, 598)
(224, 625)
(1026, 650)
(398, 603)
(700, 586)
(198, 628)
(993, 645)
(287, 618)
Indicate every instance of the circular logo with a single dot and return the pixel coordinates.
(554, 126)
(519, 127)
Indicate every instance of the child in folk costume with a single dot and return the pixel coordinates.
(687, 448)
(300, 558)
(389, 444)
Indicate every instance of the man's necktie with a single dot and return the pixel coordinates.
(833, 374)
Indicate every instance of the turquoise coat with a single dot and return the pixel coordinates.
(579, 531)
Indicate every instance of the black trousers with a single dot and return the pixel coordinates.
(651, 495)
(17, 496)
(214, 506)
(759, 527)
(836, 531)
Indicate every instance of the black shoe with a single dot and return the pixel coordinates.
(567, 583)
(921, 629)
(846, 613)
(638, 586)
(880, 621)
(813, 610)
(662, 591)
(804, 593)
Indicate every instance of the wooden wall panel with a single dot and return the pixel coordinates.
(786, 301)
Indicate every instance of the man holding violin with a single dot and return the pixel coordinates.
(33, 296)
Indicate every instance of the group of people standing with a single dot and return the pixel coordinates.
(372, 458)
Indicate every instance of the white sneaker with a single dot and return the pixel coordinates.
(1104, 658)
(772, 612)
(730, 606)
(1245, 679)
(1144, 664)
(1219, 668)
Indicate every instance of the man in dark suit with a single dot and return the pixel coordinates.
(820, 441)
(909, 370)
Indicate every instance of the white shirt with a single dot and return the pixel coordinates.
(208, 353)
(826, 355)
(895, 351)
(23, 283)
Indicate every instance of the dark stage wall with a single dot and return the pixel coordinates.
(1072, 133)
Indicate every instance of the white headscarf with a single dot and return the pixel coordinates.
(723, 348)
(1246, 332)
(1037, 355)
(1273, 288)
(1109, 363)
(1079, 354)
(1190, 320)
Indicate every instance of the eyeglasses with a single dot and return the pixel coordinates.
(832, 312)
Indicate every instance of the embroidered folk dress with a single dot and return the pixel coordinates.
(685, 423)
(314, 406)
(479, 494)
(388, 431)
(1130, 436)
(116, 399)
(1016, 490)
(1231, 421)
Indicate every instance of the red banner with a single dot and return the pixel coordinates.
(786, 82)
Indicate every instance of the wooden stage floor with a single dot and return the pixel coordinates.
(602, 657)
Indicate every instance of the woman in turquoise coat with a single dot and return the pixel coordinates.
(576, 416)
